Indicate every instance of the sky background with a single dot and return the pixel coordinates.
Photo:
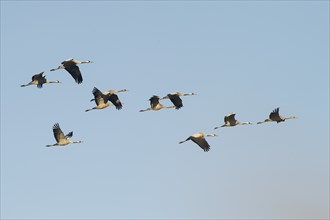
(247, 57)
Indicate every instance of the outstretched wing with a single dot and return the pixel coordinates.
(230, 118)
(74, 71)
(274, 115)
(58, 134)
(38, 76)
(115, 101)
(176, 100)
(99, 97)
(154, 100)
(69, 135)
(201, 142)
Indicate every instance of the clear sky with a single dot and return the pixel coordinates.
(247, 57)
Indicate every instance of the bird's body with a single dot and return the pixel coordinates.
(199, 139)
(61, 139)
(70, 65)
(101, 100)
(230, 121)
(275, 116)
(175, 98)
(155, 104)
(39, 79)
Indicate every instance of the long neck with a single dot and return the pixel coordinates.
(290, 117)
(56, 81)
(211, 135)
(59, 67)
(191, 93)
(86, 61)
(244, 123)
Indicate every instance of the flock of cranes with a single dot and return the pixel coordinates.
(110, 98)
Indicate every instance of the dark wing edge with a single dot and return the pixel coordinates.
(176, 100)
(74, 71)
(202, 143)
(58, 133)
(115, 101)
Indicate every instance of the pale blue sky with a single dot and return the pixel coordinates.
(247, 57)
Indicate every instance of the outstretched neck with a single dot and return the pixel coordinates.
(191, 93)
(211, 135)
(86, 61)
(291, 117)
(56, 81)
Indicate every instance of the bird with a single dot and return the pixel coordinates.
(199, 139)
(275, 116)
(231, 121)
(175, 98)
(112, 91)
(70, 65)
(62, 140)
(101, 100)
(39, 79)
(155, 104)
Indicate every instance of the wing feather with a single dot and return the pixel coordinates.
(176, 100)
(115, 101)
(58, 134)
(74, 71)
(201, 142)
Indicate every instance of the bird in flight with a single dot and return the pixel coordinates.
(155, 104)
(175, 98)
(275, 116)
(199, 139)
(231, 121)
(61, 139)
(39, 79)
(70, 65)
(102, 100)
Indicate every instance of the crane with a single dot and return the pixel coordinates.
(155, 104)
(231, 121)
(39, 79)
(101, 100)
(175, 98)
(70, 65)
(61, 139)
(275, 116)
(112, 91)
(199, 139)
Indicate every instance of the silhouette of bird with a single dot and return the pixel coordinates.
(199, 139)
(39, 79)
(70, 65)
(275, 116)
(112, 91)
(155, 104)
(175, 98)
(61, 139)
(231, 121)
(101, 100)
